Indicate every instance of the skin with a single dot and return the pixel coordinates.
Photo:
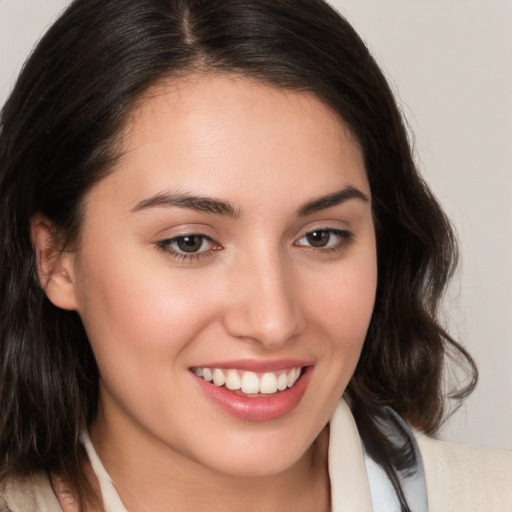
(259, 290)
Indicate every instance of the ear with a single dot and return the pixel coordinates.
(55, 267)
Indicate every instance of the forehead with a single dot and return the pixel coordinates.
(217, 133)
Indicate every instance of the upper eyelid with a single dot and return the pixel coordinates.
(185, 235)
(324, 224)
(184, 230)
(330, 229)
(342, 232)
(298, 236)
(168, 234)
(336, 231)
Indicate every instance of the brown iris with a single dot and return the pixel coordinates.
(190, 243)
(318, 238)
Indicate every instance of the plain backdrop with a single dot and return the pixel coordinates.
(450, 64)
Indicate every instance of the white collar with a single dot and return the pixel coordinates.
(350, 491)
(111, 500)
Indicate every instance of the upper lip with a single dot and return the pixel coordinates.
(257, 365)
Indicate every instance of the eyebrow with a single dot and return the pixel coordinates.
(219, 207)
(188, 201)
(330, 200)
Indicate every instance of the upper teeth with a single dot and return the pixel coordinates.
(250, 382)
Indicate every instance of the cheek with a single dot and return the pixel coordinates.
(133, 311)
(345, 302)
(341, 308)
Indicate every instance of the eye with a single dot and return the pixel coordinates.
(325, 239)
(190, 243)
(191, 246)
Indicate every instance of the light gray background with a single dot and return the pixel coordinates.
(450, 62)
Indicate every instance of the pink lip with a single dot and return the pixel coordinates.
(262, 408)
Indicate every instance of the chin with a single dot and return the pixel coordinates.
(250, 468)
(263, 459)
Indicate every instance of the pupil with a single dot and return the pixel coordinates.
(318, 238)
(189, 243)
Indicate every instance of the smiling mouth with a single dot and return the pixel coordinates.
(249, 383)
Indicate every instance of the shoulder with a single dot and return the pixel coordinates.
(32, 493)
(466, 478)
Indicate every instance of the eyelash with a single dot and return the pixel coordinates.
(345, 238)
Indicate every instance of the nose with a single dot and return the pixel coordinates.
(264, 304)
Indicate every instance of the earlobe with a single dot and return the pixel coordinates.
(55, 267)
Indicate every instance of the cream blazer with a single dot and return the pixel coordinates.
(458, 478)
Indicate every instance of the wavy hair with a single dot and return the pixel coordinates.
(58, 137)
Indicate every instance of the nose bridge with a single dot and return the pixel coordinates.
(265, 305)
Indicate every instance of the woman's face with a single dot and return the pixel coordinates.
(234, 241)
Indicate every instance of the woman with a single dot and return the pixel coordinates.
(213, 230)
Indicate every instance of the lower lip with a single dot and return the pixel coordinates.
(261, 408)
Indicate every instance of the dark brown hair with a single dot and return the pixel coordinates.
(58, 137)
